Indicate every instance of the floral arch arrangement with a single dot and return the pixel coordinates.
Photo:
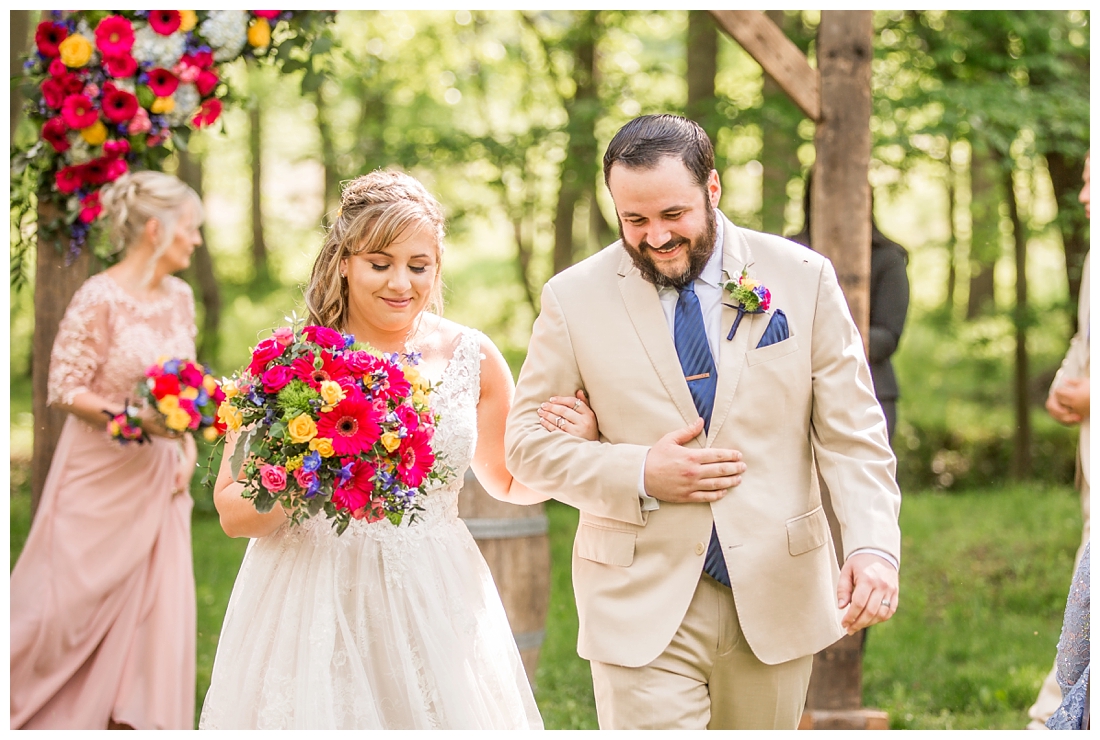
(115, 90)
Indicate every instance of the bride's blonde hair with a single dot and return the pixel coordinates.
(135, 198)
(375, 210)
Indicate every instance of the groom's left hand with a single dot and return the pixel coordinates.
(869, 588)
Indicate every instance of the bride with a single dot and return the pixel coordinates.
(382, 627)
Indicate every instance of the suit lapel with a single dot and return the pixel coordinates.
(644, 308)
(731, 354)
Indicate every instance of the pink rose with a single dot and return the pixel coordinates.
(361, 362)
(305, 478)
(191, 375)
(273, 477)
(140, 123)
(265, 352)
(284, 335)
(325, 337)
(276, 378)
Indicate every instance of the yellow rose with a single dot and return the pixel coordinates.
(749, 284)
(323, 446)
(301, 429)
(177, 419)
(163, 359)
(168, 404)
(95, 134)
(420, 398)
(188, 20)
(230, 416)
(230, 389)
(76, 51)
(331, 392)
(259, 33)
(163, 105)
(391, 441)
(210, 434)
(189, 393)
(209, 384)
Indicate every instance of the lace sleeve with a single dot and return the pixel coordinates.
(79, 348)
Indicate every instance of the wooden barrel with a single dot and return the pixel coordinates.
(515, 542)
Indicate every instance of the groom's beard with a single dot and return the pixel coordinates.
(699, 251)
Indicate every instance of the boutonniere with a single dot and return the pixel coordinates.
(749, 296)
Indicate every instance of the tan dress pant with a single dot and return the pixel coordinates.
(707, 678)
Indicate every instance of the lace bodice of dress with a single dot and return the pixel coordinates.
(108, 338)
(455, 400)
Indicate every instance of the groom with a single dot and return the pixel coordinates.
(703, 567)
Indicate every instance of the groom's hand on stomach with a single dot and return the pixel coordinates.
(679, 474)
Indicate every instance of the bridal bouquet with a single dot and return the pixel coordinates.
(330, 425)
(186, 395)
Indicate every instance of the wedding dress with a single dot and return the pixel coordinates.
(381, 627)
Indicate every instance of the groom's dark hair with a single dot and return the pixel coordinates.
(643, 142)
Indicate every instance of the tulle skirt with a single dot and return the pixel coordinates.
(382, 627)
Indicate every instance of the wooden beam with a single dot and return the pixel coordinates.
(840, 223)
(777, 54)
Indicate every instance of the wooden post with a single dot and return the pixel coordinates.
(55, 282)
(841, 230)
(841, 201)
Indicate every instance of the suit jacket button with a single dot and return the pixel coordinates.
(699, 549)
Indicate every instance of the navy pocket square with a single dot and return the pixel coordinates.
(777, 330)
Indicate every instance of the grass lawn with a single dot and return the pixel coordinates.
(983, 586)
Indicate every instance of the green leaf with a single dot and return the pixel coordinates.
(312, 81)
(322, 45)
(244, 445)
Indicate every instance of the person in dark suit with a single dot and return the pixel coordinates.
(889, 305)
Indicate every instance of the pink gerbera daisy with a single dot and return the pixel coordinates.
(416, 460)
(353, 425)
(162, 82)
(78, 111)
(114, 36)
(165, 22)
(332, 368)
(119, 106)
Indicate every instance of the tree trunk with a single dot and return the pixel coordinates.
(985, 232)
(779, 155)
(702, 67)
(841, 219)
(202, 269)
(578, 174)
(328, 152)
(952, 243)
(55, 282)
(19, 35)
(1065, 177)
(255, 137)
(1022, 441)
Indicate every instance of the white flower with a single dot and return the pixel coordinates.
(160, 51)
(187, 100)
(79, 152)
(226, 31)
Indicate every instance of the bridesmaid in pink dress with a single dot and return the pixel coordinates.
(103, 595)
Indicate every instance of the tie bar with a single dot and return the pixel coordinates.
(697, 377)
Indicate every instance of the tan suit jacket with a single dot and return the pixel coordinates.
(806, 400)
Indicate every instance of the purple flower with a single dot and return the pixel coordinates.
(312, 461)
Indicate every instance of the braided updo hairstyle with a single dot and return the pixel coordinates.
(135, 198)
(375, 210)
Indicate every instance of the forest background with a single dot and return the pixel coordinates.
(980, 125)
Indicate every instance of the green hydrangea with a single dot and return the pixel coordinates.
(295, 398)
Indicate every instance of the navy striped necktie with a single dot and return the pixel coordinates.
(701, 374)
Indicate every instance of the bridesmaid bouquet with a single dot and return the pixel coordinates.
(186, 395)
(330, 425)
